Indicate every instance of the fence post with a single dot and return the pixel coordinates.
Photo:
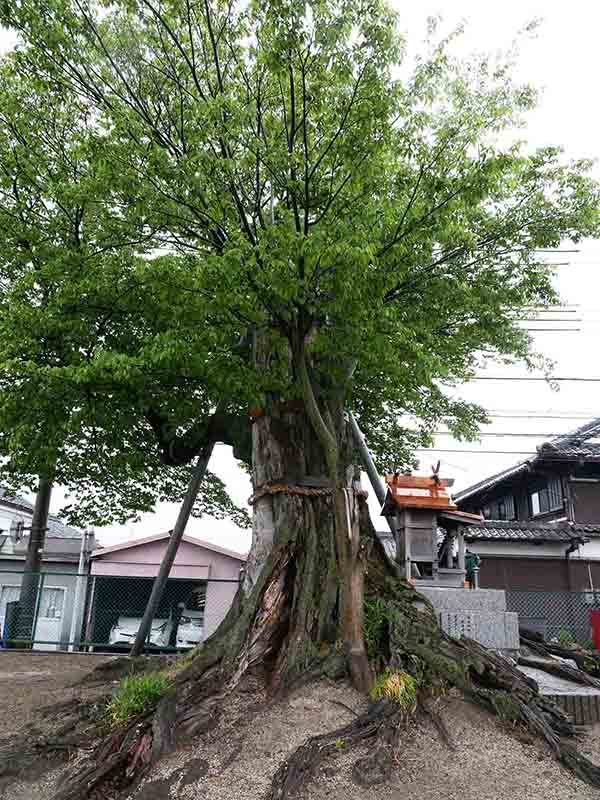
(77, 611)
(89, 622)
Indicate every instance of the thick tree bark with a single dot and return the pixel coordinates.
(293, 576)
(30, 585)
(288, 627)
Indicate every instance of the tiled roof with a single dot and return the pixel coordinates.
(498, 477)
(580, 443)
(142, 541)
(7, 499)
(514, 531)
(56, 528)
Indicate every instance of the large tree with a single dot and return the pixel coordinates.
(352, 239)
(72, 280)
(65, 264)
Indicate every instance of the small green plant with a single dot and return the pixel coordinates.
(399, 687)
(376, 615)
(136, 694)
(339, 744)
(589, 645)
(565, 637)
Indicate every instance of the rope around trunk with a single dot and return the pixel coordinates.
(297, 489)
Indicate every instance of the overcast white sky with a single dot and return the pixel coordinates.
(563, 61)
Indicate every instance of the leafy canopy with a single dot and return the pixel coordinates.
(70, 386)
(300, 192)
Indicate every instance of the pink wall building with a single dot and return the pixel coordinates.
(121, 580)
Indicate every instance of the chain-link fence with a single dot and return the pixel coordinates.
(71, 611)
(560, 615)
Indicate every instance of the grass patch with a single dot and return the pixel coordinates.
(136, 694)
(399, 687)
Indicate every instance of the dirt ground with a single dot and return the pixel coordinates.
(37, 691)
(33, 679)
(237, 759)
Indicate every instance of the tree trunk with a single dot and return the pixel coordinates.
(289, 625)
(28, 596)
(293, 585)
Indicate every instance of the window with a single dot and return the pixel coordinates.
(8, 594)
(548, 498)
(51, 603)
(504, 508)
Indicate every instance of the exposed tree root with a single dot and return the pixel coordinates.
(301, 766)
(587, 661)
(561, 670)
(429, 712)
(265, 634)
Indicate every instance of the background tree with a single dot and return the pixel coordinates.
(371, 236)
(67, 414)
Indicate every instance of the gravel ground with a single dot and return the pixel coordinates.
(238, 759)
(487, 763)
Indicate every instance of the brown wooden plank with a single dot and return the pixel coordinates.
(410, 501)
(414, 482)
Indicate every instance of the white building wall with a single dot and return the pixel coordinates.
(522, 549)
(589, 551)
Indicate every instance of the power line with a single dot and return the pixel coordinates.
(526, 378)
(535, 415)
(477, 452)
(511, 433)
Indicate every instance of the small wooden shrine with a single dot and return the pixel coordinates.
(427, 525)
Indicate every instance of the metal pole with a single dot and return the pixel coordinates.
(75, 614)
(169, 557)
(89, 623)
(376, 482)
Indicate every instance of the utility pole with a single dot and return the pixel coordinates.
(169, 557)
(28, 596)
